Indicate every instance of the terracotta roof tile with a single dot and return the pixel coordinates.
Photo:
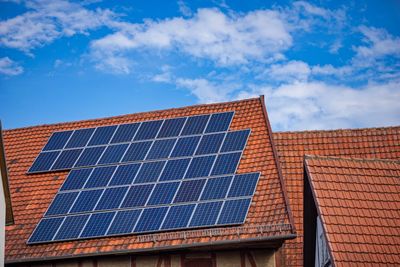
(383, 143)
(372, 236)
(31, 194)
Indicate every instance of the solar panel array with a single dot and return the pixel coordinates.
(145, 177)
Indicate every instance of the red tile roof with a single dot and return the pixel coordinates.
(268, 217)
(381, 143)
(359, 204)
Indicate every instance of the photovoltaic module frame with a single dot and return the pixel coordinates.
(145, 177)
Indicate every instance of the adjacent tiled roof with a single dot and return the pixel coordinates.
(31, 194)
(359, 205)
(383, 143)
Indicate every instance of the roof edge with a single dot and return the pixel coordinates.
(154, 249)
(277, 163)
(307, 156)
(339, 129)
(4, 176)
(307, 175)
(123, 115)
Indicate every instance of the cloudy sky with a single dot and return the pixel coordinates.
(320, 65)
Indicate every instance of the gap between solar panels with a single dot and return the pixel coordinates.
(144, 177)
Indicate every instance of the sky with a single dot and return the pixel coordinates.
(320, 64)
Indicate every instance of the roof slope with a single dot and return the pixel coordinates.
(359, 205)
(383, 143)
(31, 194)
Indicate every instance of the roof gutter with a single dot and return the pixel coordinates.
(159, 249)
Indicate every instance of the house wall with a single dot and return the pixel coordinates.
(232, 258)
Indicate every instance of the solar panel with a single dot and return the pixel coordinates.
(161, 149)
(72, 227)
(234, 211)
(144, 177)
(57, 140)
(76, 179)
(44, 161)
(66, 159)
(102, 135)
(80, 138)
(97, 224)
(62, 203)
(125, 133)
(210, 144)
(124, 222)
(219, 122)
(137, 151)
(90, 156)
(171, 127)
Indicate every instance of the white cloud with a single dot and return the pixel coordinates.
(318, 105)
(209, 34)
(206, 91)
(289, 71)
(379, 44)
(184, 9)
(48, 20)
(9, 67)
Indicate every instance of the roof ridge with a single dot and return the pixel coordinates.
(138, 113)
(308, 156)
(340, 129)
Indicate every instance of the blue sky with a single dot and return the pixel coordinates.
(320, 65)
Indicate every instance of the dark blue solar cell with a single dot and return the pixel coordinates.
(86, 201)
(185, 146)
(210, 144)
(226, 164)
(44, 161)
(234, 211)
(206, 214)
(113, 154)
(62, 203)
(45, 230)
(137, 196)
(124, 174)
(149, 172)
(124, 222)
(235, 141)
(76, 179)
(216, 188)
(171, 127)
(244, 185)
(102, 135)
(195, 125)
(98, 224)
(72, 227)
(148, 130)
(111, 198)
(200, 167)
(161, 149)
(151, 219)
(125, 133)
(90, 156)
(66, 159)
(100, 177)
(57, 140)
(80, 138)
(190, 191)
(137, 151)
(219, 122)
(175, 169)
(178, 216)
(163, 193)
